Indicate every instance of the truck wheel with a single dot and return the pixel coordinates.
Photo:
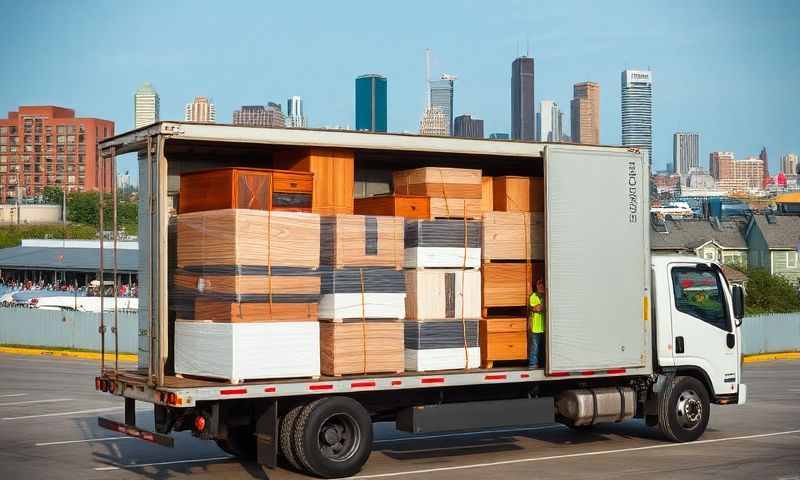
(333, 437)
(683, 409)
(241, 442)
(286, 434)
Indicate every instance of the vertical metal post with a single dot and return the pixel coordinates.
(101, 185)
(114, 255)
(151, 364)
(161, 258)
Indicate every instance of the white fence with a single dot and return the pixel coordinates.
(771, 333)
(66, 329)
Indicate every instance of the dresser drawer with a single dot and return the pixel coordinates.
(501, 325)
(291, 184)
(506, 346)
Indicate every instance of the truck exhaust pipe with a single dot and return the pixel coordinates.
(596, 405)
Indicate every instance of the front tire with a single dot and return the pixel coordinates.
(683, 409)
(333, 437)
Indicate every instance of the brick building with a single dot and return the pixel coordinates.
(44, 146)
(733, 174)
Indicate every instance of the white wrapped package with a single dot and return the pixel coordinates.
(337, 306)
(442, 359)
(247, 351)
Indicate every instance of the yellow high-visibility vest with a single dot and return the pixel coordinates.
(537, 318)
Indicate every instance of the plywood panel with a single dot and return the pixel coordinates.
(235, 312)
(512, 194)
(442, 294)
(334, 174)
(361, 347)
(361, 241)
(506, 284)
(455, 207)
(439, 182)
(487, 195)
(512, 236)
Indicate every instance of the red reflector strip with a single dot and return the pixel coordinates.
(524, 375)
(559, 374)
(432, 380)
(233, 391)
(321, 387)
(616, 371)
(495, 377)
(397, 382)
(362, 384)
(270, 389)
(587, 372)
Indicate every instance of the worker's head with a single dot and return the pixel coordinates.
(540, 286)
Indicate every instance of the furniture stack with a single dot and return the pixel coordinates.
(512, 248)
(251, 276)
(452, 192)
(363, 294)
(442, 260)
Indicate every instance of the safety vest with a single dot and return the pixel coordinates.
(536, 318)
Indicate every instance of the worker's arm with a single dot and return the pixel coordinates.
(538, 308)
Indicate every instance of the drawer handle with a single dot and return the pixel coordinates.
(292, 184)
(413, 207)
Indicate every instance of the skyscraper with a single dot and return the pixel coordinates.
(294, 113)
(371, 109)
(548, 122)
(466, 126)
(260, 116)
(637, 110)
(762, 155)
(522, 103)
(441, 96)
(200, 110)
(434, 122)
(146, 106)
(789, 164)
(585, 113)
(685, 152)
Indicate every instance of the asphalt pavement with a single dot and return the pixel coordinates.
(48, 429)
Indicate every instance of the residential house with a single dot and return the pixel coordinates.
(773, 241)
(721, 241)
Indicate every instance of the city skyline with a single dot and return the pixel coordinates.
(694, 90)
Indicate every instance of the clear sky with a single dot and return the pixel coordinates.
(729, 70)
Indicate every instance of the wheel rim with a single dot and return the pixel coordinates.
(689, 409)
(338, 437)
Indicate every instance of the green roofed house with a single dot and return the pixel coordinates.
(773, 242)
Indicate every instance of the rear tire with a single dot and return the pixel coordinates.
(683, 409)
(286, 434)
(333, 437)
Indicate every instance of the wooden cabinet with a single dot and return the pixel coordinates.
(246, 188)
(333, 171)
(408, 206)
(503, 339)
(512, 194)
(505, 285)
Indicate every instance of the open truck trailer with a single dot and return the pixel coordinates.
(624, 337)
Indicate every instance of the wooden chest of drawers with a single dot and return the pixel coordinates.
(248, 188)
(408, 206)
(503, 339)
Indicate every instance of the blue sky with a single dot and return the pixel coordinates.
(727, 69)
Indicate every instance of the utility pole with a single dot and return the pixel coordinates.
(17, 195)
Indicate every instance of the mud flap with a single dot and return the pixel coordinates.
(267, 436)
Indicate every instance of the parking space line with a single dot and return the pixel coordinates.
(468, 434)
(86, 440)
(13, 395)
(142, 465)
(574, 455)
(59, 414)
(29, 402)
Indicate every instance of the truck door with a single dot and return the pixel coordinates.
(597, 259)
(705, 335)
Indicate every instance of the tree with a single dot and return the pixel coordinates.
(770, 294)
(53, 195)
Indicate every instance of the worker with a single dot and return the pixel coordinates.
(536, 328)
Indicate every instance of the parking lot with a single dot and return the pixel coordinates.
(48, 429)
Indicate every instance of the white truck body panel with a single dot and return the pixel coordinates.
(597, 251)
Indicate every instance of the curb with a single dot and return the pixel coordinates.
(765, 357)
(125, 357)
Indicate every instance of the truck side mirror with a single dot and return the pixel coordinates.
(738, 303)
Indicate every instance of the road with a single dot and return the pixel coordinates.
(48, 429)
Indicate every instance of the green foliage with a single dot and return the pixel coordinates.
(84, 207)
(770, 294)
(12, 235)
(53, 195)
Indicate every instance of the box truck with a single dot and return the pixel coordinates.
(628, 335)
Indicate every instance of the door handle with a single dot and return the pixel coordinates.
(731, 340)
(679, 348)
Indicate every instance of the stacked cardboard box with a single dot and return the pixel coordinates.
(363, 294)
